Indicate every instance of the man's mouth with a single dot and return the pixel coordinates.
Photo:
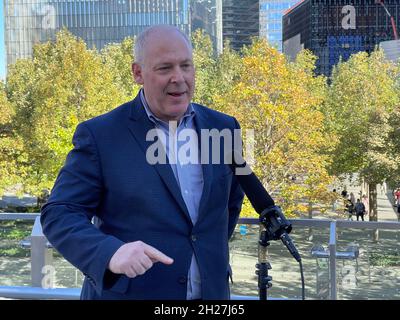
(176, 94)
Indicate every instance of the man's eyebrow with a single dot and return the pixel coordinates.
(162, 64)
(187, 61)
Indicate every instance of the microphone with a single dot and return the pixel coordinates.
(271, 216)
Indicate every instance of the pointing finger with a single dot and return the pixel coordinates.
(156, 255)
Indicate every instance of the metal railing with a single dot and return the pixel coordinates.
(18, 216)
(42, 252)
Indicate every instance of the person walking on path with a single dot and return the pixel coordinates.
(349, 209)
(360, 210)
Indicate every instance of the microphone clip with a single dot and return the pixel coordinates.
(275, 223)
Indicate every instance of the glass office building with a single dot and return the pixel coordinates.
(99, 22)
(271, 13)
(240, 21)
(336, 29)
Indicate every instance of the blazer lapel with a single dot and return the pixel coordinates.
(139, 126)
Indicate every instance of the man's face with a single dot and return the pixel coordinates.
(167, 74)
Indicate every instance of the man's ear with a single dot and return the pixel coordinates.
(137, 73)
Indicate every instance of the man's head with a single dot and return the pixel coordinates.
(164, 66)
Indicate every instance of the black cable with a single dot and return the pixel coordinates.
(303, 294)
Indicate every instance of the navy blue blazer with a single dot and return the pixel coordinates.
(107, 176)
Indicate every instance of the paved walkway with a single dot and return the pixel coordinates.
(386, 210)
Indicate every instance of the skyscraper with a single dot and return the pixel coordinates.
(271, 13)
(240, 20)
(99, 22)
(336, 29)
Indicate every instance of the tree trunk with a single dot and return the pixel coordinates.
(373, 209)
(373, 203)
(310, 230)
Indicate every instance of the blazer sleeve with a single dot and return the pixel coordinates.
(235, 198)
(74, 199)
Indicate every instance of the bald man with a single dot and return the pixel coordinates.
(162, 224)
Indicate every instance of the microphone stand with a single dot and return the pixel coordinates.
(264, 280)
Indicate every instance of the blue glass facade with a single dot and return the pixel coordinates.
(271, 12)
(344, 46)
(98, 22)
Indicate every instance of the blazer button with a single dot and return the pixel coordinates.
(193, 237)
(182, 280)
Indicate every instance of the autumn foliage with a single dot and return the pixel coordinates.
(307, 130)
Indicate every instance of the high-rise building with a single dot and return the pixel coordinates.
(337, 28)
(240, 20)
(99, 22)
(271, 12)
(207, 15)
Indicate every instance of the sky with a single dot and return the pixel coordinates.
(2, 49)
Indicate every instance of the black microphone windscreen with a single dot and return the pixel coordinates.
(251, 185)
(255, 192)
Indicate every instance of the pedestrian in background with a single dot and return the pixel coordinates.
(360, 210)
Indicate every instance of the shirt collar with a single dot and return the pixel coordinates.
(189, 113)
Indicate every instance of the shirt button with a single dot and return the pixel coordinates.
(186, 192)
(182, 280)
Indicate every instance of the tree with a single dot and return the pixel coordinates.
(362, 97)
(203, 57)
(10, 144)
(225, 75)
(64, 84)
(394, 134)
(118, 58)
(281, 102)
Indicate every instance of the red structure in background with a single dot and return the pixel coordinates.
(381, 2)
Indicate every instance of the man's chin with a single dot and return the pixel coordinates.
(179, 108)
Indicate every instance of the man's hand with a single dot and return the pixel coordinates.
(135, 258)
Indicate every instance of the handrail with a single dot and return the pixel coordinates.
(325, 223)
(18, 215)
(318, 223)
(21, 292)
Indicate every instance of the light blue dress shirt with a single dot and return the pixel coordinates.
(189, 177)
